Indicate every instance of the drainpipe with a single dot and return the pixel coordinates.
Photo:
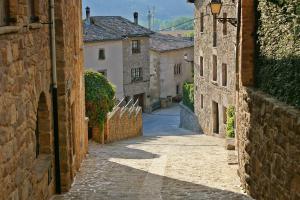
(239, 16)
(54, 98)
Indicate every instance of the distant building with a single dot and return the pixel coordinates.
(215, 66)
(119, 49)
(168, 67)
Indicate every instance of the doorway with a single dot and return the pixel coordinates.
(140, 98)
(215, 113)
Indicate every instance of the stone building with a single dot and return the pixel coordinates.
(41, 144)
(168, 68)
(215, 66)
(268, 129)
(119, 49)
(267, 98)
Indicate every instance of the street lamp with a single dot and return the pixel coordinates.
(216, 6)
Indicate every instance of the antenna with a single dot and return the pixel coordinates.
(149, 18)
(153, 18)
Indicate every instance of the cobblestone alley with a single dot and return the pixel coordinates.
(167, 163)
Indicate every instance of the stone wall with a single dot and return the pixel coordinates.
(26, 101)
(134, 61)
(269, 150)
(225, 52)
(122, 123)
(188, 119)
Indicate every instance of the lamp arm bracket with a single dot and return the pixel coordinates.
(232, 21)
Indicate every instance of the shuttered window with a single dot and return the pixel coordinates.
(215, 68)
(201, 66)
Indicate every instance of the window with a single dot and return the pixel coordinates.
(201, 101)
(201, 66)
(3, 12)
(136, 74)
(202, 22)
(101, 55)
(224, 115)
(214, 31)
(177, 89)
(225, 24)
(215, 68)
(136, 46)
(103, 72)
(31, 11)
(177, 69)
(224, 74)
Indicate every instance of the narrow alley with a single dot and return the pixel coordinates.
(166, 163)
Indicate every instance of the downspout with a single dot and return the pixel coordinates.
(238, 42)
(54, 98)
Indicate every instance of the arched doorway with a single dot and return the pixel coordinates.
(43, 128)
(44, 150)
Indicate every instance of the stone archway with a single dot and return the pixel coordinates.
(43, 165)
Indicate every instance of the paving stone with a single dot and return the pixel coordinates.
(175, 164)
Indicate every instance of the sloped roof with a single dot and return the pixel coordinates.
(112, 28)
(161, 42)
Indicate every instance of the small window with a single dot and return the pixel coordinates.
(136, 74)
(103, 72)
(32, 17)
(177, 69)
(225, 24)
(136, 46)
(101, 55)
(215, 31)
(224, 115)
(201, 66)
(4, 12)
(224, 74)
(215, 68)
(201, 101)
(202, 22)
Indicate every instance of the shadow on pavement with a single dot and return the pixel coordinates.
(101, 178)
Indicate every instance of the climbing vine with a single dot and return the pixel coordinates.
(99, 97)
(278, 49)
(230, 122)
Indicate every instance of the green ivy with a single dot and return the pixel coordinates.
(188, 95)
(99, 97)
(230, 122)
(278, 50)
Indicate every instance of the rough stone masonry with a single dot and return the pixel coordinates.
(26, 118)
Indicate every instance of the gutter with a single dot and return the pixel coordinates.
(54, 97)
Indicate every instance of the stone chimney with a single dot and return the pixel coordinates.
(88, 15)
(136, 18)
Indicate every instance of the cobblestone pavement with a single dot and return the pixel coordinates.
(167, 163)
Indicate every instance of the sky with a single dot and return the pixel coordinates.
(164, 9)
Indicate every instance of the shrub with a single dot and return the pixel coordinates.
(278, 49)
(99, 97)
(188, 95)
(230, 122)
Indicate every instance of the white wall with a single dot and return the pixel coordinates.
(113, 62)
(168, 80)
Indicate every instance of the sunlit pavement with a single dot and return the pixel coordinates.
(166, 163)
